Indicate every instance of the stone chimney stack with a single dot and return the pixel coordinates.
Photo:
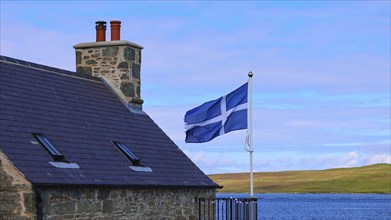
(117, 62)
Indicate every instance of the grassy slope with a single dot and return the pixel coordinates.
(368, 179)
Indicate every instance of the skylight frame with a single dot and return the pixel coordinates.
(127, 153)
(50, 147)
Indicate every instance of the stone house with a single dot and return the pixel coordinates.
(77, 145)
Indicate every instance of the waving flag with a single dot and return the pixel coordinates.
(217, 117)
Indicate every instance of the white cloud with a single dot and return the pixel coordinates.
(220, 163)
(379, 158)
(350, 160)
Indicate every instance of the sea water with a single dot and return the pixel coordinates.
(321, 206)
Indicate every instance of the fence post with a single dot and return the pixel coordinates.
(235, 208)
(199, 209)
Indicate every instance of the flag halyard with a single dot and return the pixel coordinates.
(217, 117)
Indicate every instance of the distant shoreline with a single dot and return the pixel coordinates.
(372, 179)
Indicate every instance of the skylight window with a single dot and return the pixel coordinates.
(53, 151)
(128, 153)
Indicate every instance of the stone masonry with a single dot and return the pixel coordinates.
(17, 199)
(118, 61)
(122, 203)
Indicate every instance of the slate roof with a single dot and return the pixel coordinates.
(82, 116)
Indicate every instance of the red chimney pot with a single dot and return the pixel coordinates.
(115, 30)
(100, 31)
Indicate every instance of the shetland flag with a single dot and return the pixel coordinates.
(217, 117)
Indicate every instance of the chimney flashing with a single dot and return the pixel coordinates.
(132, 107)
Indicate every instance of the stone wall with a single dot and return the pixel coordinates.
(17, 199)
(117, 61)
(122, 203)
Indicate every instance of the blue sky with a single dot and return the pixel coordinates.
(321, 69)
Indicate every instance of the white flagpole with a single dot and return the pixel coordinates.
(250, 132)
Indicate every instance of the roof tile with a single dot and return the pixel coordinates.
(81, 116)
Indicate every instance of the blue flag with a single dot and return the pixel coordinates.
(217, 117)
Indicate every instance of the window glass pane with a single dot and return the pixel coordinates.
(53, 151)
(128, 153)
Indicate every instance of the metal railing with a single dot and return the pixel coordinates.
(228, 208)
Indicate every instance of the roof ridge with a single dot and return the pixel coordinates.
(45, 68)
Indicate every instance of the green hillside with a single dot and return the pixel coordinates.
(367, 179)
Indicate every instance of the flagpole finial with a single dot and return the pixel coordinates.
(250, 74)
